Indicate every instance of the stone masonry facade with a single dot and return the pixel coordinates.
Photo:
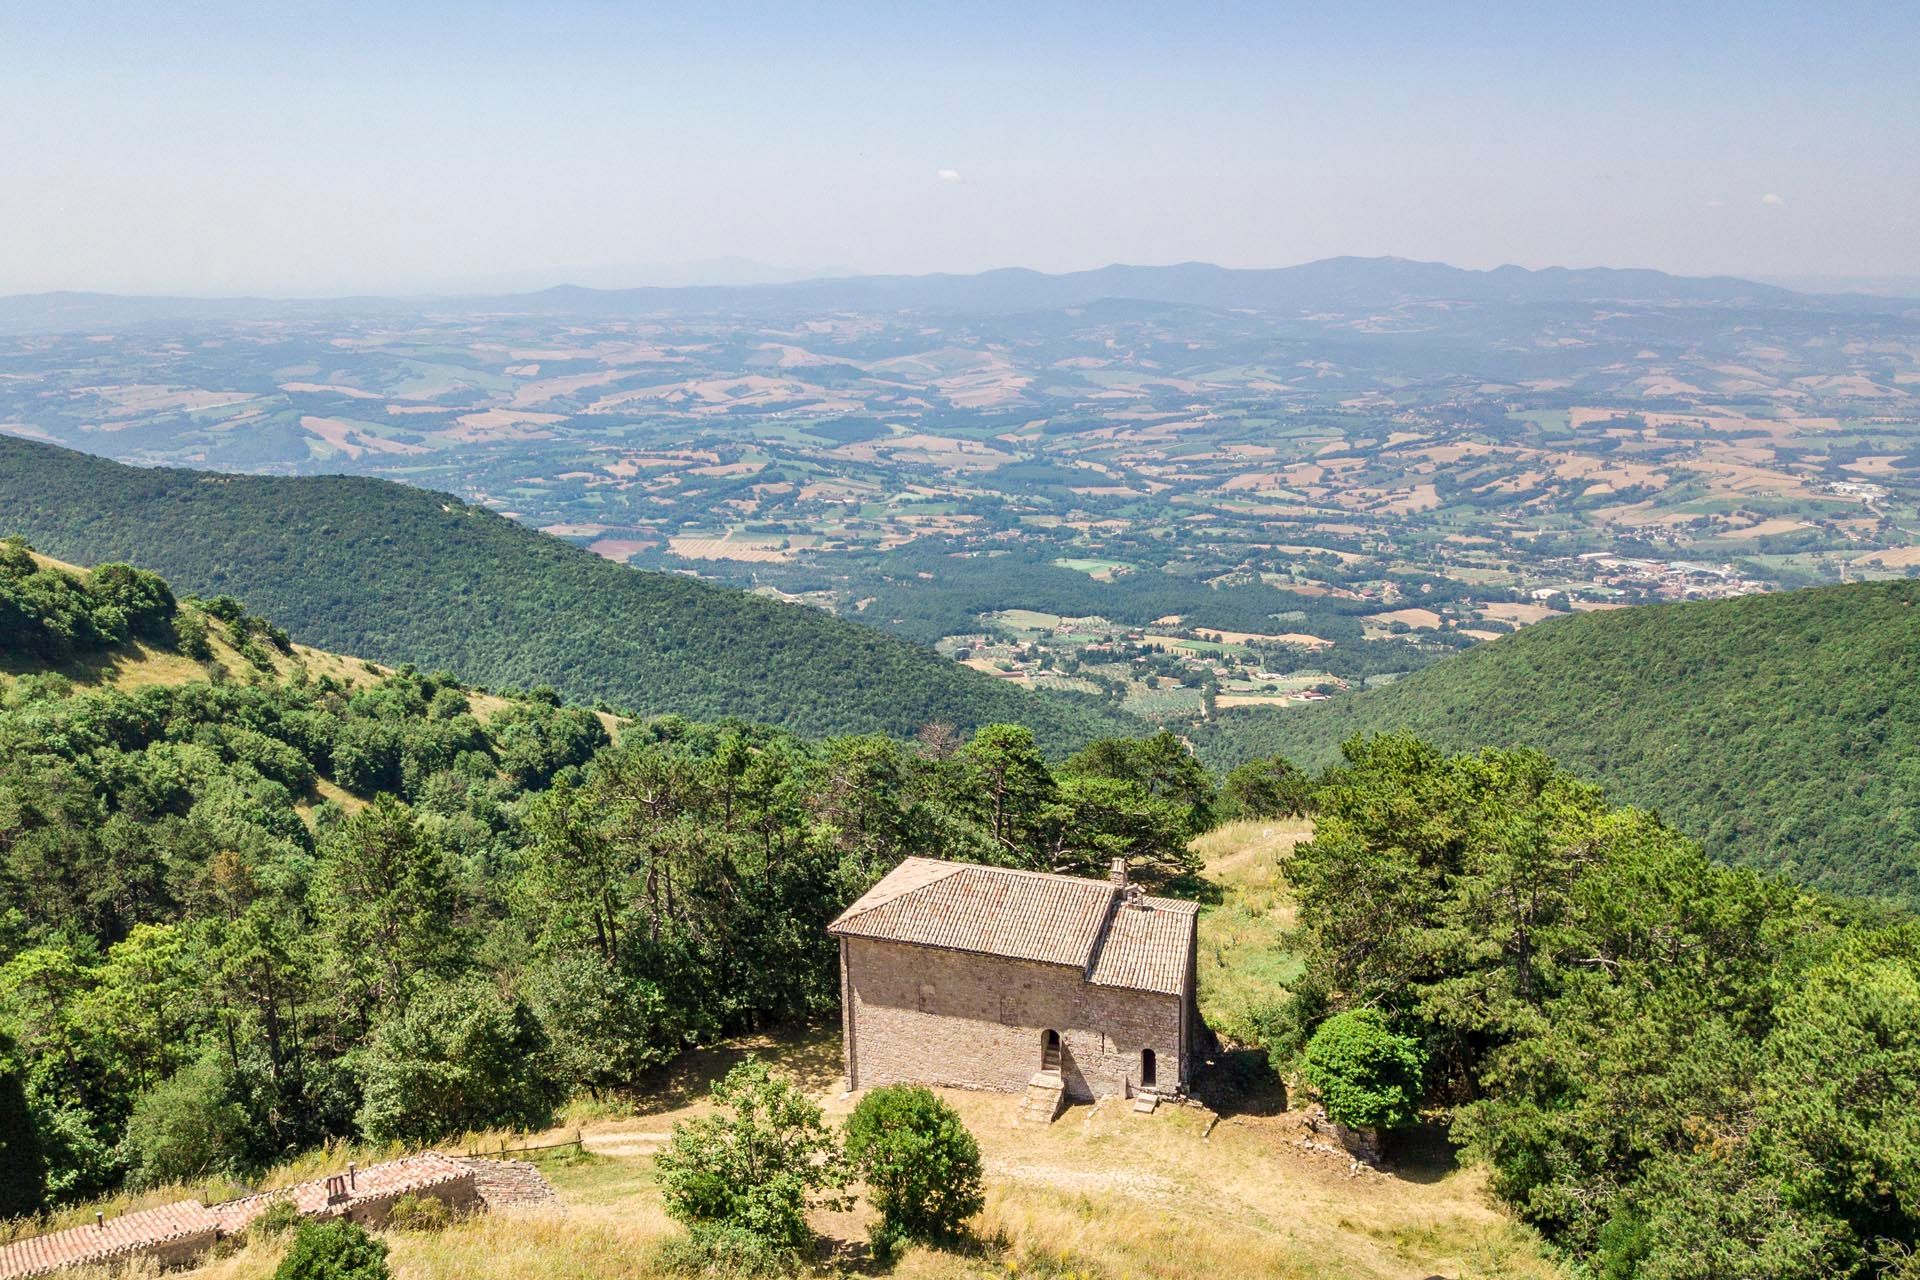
(930, 1016)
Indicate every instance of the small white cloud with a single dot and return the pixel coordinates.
(948, 175)
(1716, 204)
(1772, 199)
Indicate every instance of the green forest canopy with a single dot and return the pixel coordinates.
(277, 905)
(249, 913)
(398, 574)
(1674, 1069)
(1782, 730)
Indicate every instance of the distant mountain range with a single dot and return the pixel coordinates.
(1783, 730)
(1342, 285)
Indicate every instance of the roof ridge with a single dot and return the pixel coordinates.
(877, 896)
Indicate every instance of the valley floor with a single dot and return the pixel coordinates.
(1188, 1192)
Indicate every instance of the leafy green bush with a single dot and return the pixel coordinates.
(186, 1127)
(337, 1250)
(1366, 1074)
(921, 1166)
(753, 1167)
(459, 1058)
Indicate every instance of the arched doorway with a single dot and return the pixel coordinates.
(1149, 1070)
(1050, 1051)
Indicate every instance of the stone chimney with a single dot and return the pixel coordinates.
(1119, 873)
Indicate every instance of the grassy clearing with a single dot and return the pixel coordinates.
(1245, 960)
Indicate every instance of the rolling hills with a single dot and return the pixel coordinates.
(397, 574)
(1783, 730)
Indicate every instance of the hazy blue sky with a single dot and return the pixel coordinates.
(326, 147)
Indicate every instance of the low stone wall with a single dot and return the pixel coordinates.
(174, 1254)
(1363, 1145)
(459, 1195)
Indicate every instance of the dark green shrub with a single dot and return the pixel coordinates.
(191, 634)
(921, 1166)
(336, 1250)
(1367, 1075)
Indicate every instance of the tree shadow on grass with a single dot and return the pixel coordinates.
(1423, 1154)
(810, 1055)
(1239, 1082)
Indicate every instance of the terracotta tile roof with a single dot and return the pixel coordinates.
(376, 1181)
(1145, 946)
(148, 1228)
(115, 1238)
(1028, 915)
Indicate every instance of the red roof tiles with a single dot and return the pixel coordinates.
(115, 1238)
(1146, 946)
(143, 1229)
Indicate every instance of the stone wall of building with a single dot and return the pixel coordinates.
(459, 1195)
(176, 1254)
(928, 1016)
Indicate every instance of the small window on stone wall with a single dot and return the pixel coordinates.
(926, 997)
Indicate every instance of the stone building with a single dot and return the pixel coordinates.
(179, 1234)
(991, 978)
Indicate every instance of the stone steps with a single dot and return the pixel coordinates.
(1045, 1099)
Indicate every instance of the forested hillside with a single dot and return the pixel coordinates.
(1675, 1070)
(1782, 730)
(261, 904)
(262, 907)
(399, 574)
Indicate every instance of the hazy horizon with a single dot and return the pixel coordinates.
(281, 151)
(742, 272)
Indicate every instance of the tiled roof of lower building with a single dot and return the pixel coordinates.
(1116, 939)
(106, 1241)
(150, 1228)
(375, 1182)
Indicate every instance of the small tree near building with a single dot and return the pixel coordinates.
(921, 1166)
(752, 1169)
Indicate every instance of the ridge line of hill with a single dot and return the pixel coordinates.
(397, 574)
(1782, 729)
